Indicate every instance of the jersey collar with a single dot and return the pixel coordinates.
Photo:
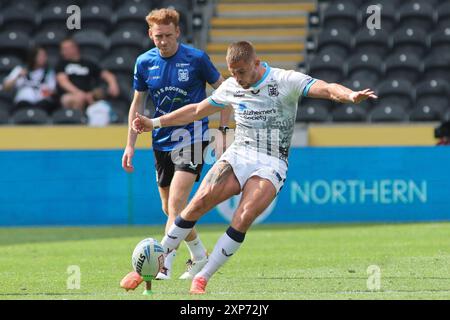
(265, 75)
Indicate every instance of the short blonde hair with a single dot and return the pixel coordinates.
(163, 16)
(240, 51)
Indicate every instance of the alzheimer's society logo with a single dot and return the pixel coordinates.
(227, 208)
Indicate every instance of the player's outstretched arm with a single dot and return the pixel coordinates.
(185, 115)
(333, 91)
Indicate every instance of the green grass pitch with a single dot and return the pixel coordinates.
(275, 262)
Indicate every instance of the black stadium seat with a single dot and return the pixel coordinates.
(7, 63)
(131, 42)
(403, 66)
(372, 41)
(20, 4)
(387, 113)
(312, 114)
(388, 18)
(416, 13)
(440, 41)
(410, 40)
(14, 43)
(119, 63)
(68, 116)
(112, 4)
(53, 17)
(381, 2)
(96, 17)
(359, 84)
(93, 44)
(340, 14)
(327, 67)
(434, 93)
(437, 66)
(312, 102)
(334, 41)
(424, 113)
(18, 19)
(30, 116)
(132, 16)
(7, 98)
(349, 113)
(4, 115)
(120, 110)
(364, 66)
(443, 13)
(122, 65)
(397, 92)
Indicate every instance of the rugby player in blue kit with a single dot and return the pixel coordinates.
(174, 75)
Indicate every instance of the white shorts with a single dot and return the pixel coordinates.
(248, 162)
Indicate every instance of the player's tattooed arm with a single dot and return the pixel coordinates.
(219, 173)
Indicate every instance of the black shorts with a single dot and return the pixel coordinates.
(167, 162)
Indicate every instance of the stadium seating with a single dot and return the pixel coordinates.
(443, 15)
(349, 113)
(413, 44)
(406, 61)
(341, 14)
(371, 41)
(440, 41)
(15, 43)
(93, 43)
(68, 116)
(410, 40)
(334, 41)
(113, 33)
(97, 17)
(397, 92)
(433, 93)
(364, 66)
(4, 115)
(30, 116)
(327, 67)
(312, 114)
(388, 113)
(387, 14)
(18, 19)
(424, 113)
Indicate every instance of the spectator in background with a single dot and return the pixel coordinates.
(77, 78)
(35, 83)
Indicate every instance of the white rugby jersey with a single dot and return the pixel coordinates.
(265, 113)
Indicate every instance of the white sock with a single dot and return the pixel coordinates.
(196, 248)
(177, 233)
(224, 249)
(169, 260)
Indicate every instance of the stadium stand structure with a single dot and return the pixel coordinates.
(277, 29)
(113, 33)
(406, 61)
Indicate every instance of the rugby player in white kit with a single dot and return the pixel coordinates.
(265, 103)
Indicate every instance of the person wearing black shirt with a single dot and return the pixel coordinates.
(77, 78)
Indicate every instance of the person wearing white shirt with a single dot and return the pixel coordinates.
(34, 83)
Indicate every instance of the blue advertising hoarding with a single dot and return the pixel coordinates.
(324, 185)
